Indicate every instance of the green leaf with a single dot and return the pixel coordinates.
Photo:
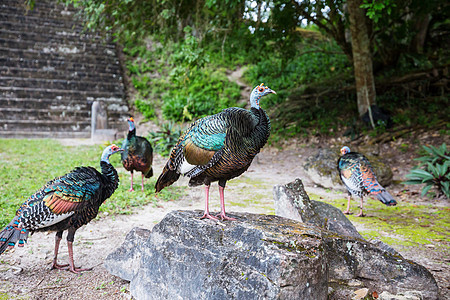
(426, 189)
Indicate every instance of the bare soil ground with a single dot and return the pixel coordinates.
(25, 272)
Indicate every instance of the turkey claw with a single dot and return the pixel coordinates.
(208, 216)
(225, 217)
(347, 212)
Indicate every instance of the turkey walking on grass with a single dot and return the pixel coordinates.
(218, 148)
(137, 154)
(64, 203)
(358, 176)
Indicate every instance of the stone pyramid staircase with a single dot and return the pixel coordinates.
(51, 72)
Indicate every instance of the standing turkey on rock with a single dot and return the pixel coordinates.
(137, 154)
(218, 148)
(64, 203)
(358, 176)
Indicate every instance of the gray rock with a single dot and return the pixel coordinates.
(125, 260)
(355, 264)
(412, 295)
(256, 257)
(262, 257)
(321, 168)
(291, 201)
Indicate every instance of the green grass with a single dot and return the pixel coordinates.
(406, 224)
(26, 165)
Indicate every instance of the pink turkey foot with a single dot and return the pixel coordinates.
(72, 267)
(347, 212)
(225, 217)
(78, 270)
(206, 215)
(361, 214)
(131, 189)
(142, 183)
(57, 266)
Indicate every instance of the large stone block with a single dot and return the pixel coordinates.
(260, 257)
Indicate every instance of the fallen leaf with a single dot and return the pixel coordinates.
(360, 294)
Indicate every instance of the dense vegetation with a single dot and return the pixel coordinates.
(179, 53)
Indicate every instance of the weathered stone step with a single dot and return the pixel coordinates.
(58, 84)
(71, 46)
(18, 31)
(37, 93)
(45, 114)
(59, 64)
(57, 57)
(26, 134)
(47, 125)
(68, 113)
(27, 103)
(58, 74)
(19, 16)
(42, 11)
(47, 4)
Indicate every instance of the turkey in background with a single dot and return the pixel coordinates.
(137, 154)
(64, 203)
(358, 176)
(218, 148)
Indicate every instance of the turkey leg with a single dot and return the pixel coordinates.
(206, 214)
(142, 183)
(70, 238)
(55, 264)
(222, 214)
(131, 188)
(347, 212)
(361, 214)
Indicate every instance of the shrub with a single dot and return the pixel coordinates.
(163, 140)
(433, 171)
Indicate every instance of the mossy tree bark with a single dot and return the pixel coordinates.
(362, 57)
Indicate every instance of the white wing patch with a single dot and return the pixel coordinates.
(186, 167)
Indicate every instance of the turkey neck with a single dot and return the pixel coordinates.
(131, 134)
(110, 179)
(261, 130)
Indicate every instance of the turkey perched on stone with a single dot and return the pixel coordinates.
(64, 203)
(137, 154)
(358, 176)
(218, 148)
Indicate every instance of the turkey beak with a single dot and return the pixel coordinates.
(272, 91)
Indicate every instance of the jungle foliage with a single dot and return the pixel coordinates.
(179, 54)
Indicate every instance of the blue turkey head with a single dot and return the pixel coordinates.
(110, 150)
(257, 93)
(131, 123)
(345, 150)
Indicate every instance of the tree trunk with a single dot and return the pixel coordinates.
(362, 58)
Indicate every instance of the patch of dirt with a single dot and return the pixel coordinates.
(25, 272)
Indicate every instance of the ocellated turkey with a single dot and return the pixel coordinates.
(218, 148)
(137, 154)
(358, 176)
(64, 203)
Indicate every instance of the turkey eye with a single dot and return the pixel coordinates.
(261, 89)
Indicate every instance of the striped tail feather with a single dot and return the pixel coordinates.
(386, 198)
(12, 234)
(166, 178)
